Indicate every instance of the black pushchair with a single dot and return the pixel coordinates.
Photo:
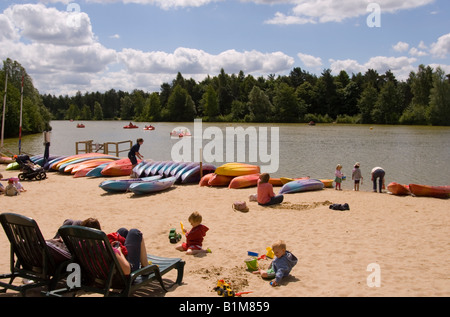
(29, 169)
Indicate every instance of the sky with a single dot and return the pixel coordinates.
(93, 45)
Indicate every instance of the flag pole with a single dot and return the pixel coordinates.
(4, 108)
(20, 121)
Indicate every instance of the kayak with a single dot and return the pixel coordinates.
(193, 175)
(185, 169)
(205, 179)
(398, 189)
(122, 185)
(237, 169)
(89, 164)
(328, 183)
(152, 186)
(301, 185)
(430, 191)
(120, 167)
(275, 181)
(244, 181)
(97, 171)
(286, 180)
(220, 180)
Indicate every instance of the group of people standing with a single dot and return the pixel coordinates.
(377, 177)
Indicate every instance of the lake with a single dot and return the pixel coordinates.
(409, 154)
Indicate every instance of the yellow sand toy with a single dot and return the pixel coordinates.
(224, 289)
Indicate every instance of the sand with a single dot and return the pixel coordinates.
(407, 238)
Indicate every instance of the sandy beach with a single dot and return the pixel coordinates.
(408, 237)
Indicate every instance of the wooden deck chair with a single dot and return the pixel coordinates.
(100, 271)
(30, 258)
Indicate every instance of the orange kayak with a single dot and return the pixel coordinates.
(398, 189)
(430, 191)
(219, 180)
(244, 181)
(120, 167)
(276, 181)
(205, 179)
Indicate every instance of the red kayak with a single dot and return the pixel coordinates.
(244, 181)
(219, 180)
(430, 191)
(398, 189)
(120, 167)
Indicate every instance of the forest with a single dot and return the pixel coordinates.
(300, 97)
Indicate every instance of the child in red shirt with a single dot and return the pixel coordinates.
(194, 238)
(266, 196)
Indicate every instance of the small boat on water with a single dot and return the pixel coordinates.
(130, 126)
(80, 125)
(149, 127)
(180, 134)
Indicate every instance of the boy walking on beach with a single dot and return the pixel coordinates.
(281, 266)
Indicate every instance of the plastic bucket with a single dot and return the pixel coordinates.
(252, 264)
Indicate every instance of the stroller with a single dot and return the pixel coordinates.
(29, 169)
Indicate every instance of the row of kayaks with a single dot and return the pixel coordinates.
(419, 190)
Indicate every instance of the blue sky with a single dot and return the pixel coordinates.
(93, 45)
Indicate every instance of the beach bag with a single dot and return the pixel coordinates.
(240, 206)
(340, 206)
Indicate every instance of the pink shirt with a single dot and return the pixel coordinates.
(265, 192)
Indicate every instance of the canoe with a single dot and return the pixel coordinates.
(205, 179)
(140, 168)
(152, 186)
(120, 167)
(71, 158)
(328, 183)
(244, 181)
(97, 171)
(148, 168)
(237, 169)
(155, 169)
(275, 181)
(68, 167)
(169, 170)
(88, 164)
(185, 169)
(301, 185)
(398, 189)
(286, 180)
(122, 185)
(430, 191)
(177, 168)
(219, 180)
(193, 175)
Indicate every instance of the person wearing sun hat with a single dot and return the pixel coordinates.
(356, 176)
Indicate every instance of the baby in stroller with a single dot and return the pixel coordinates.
(29, 169)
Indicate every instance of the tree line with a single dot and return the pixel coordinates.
(372, 98)
(424, 99)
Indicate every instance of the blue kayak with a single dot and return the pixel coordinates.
(152, 186)
(122, 185)
(301, 185)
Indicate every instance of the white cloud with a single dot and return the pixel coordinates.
(441, 48)
(400, 66)
(310, 61)
(401, 47)
(415, 52)
(163, 4)
(322, 11)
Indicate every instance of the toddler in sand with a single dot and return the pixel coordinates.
(194, 238)
(281, 266)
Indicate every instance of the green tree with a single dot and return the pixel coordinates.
(366, 103)
(180, 106)
(85, 113)
(98, 111)
(210, 103)
(385, 110)
(126, 108)
(73, 112)
(259, 105)
(287, 106)
(440, 99)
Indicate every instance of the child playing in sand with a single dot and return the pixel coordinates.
(265, 195)
(339, 177)
(356, 176)
(11, 190)
(281, 266)
(194, 238)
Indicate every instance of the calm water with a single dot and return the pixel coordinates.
(409, 154)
